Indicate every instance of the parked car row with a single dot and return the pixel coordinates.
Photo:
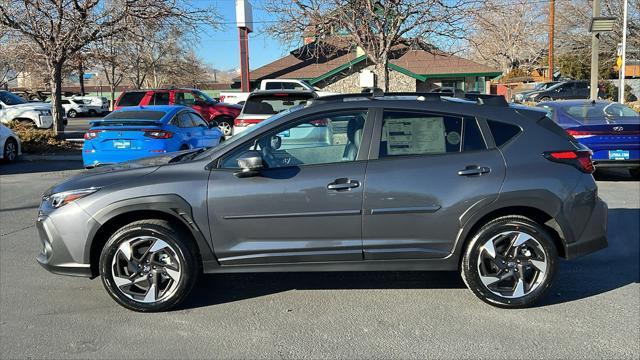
(557, 90)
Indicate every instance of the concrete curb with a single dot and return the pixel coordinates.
(51, 157)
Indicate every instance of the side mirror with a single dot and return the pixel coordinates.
(250, 164)
(213, 124)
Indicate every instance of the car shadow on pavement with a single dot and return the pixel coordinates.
(597, 273)
(29, 167)
(614, 174)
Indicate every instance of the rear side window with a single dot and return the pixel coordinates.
(185, 98)
(160, 98)
(131, 98)
(502, 132)
(412, 133)
(135, 115)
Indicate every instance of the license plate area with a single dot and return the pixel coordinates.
(121, 144)
(618, 154)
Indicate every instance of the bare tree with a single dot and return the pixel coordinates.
(61, 28)
(377, 26)
(508, 35)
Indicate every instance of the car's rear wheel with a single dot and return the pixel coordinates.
(545, 98)
(225, 125)
(10, 151)
(93, 112)
(72, 113)
(149, 265)
(510, 262)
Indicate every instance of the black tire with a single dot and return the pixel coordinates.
(72, 113)
(470, 262)
(179, 243)
(10, 151)
(184, 147)
(93, 112)
(225, 124)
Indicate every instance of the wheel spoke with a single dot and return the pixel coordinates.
(488, 280)
(125, 249)
(489, 249)
(123, 281)
(150, 296)
(158, 245)
(520, 239)
(175, 275)
(539, 264)
(519, 289)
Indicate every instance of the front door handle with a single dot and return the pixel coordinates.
(343, 184)
(472, 170)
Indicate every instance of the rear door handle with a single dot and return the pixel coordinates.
(343, 184)
(472, 170)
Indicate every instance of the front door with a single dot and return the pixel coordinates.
(430, 169)
(305, 205)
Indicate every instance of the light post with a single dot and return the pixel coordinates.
(622, 69)
(598, 24)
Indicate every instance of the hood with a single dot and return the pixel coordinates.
(108, 175)
(31, 105)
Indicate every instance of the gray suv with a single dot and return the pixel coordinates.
(403, 183)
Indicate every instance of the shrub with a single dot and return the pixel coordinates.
(39, 141)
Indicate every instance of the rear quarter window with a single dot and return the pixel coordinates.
(131, 98)
(502, 132)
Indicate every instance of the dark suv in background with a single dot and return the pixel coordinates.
(210, 109)
(573, 89)
(401, 182)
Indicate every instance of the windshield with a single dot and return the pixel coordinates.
(598, 112)
(273, 103)
(11, 99)
(246, 134)
(206, 97)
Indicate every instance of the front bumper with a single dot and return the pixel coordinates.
(63, 235)
(594, 235)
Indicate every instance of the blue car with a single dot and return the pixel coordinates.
(140, 131)
(611, 130)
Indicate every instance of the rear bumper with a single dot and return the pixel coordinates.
(594, 236)
(616, 163)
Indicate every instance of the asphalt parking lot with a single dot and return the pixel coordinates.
(593, 310)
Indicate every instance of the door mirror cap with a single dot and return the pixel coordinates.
(250, 164)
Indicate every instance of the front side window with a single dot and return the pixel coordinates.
(184, 120)
(197, 120)
(414, 133)
(185, 98)
(317, 139)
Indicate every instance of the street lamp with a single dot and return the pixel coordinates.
(598, 24)
(601, 24)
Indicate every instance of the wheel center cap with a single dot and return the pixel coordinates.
(511, 264)
(146, 268)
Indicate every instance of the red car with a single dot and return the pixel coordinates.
(210, 109)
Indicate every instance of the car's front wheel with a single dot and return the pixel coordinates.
(10, 151)
(510, 262)
(72, 113)
(149, 265)
(225, 125)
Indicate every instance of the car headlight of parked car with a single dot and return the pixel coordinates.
(63, 198)
(44, 112)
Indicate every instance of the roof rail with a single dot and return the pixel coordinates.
(481, 99)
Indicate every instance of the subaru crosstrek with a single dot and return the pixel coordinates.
(401, 182)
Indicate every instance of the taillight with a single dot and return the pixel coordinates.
(92, 134)
(246, 122)
(579, 134)
(158, 134)
(222, 97)
(580, 159)
(319, 122)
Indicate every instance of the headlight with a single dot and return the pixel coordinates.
(533, 96)
(44, 112)
(65, 197)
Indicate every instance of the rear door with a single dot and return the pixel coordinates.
(425, 171)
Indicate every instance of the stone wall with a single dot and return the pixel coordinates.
(351, 82)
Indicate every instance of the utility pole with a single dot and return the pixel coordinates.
(624, 54)
(595, 49)
(552, 14)
(244, 19)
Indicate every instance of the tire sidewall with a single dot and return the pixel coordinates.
(5, 149)
(188, 269)
(470, 262)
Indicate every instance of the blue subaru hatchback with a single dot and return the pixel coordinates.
(140, 131)
(611, 130)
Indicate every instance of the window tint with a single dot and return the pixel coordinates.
(64, 102)
(197, 120)
(582, 85)
(11, 99)
(319, 139)
(411, 133)
(135, 115)
(184, 98)
(184, 120)
(502, 132)
(160, 98)
(273, 86)
(131, 98)
(472, 139)
(273, 103)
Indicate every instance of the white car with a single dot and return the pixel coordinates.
(95, 105)
(74, 107)
(9, 143)
(15, 108)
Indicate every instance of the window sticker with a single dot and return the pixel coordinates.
(453, 138)
(415, 136)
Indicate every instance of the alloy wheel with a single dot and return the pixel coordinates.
(225, 127)
(10, 150)
(512, 264)
(146, 269)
